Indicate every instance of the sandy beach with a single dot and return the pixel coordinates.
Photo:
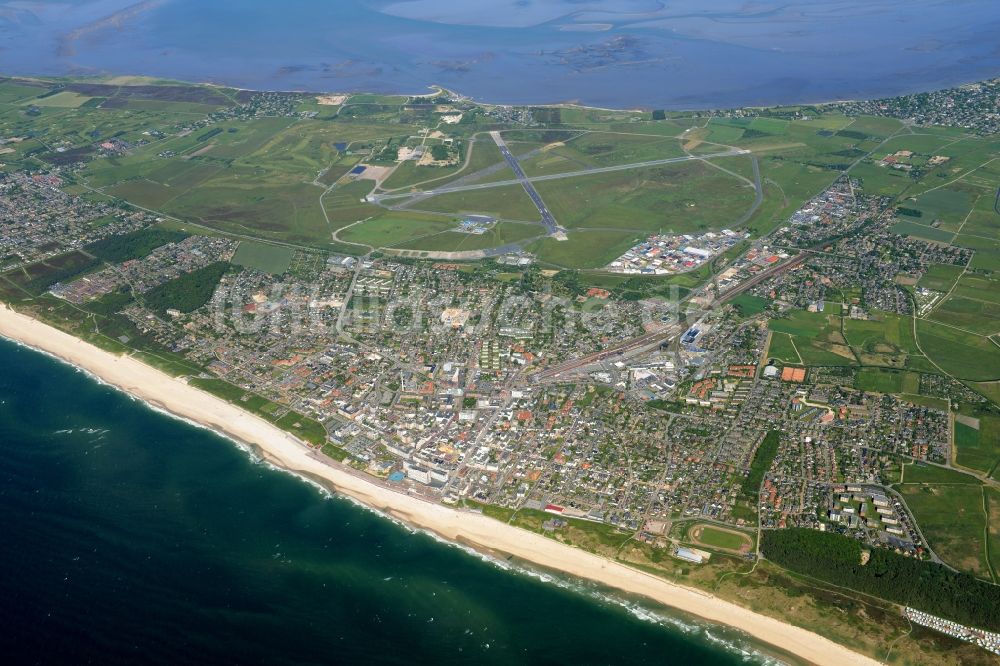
(472, 529)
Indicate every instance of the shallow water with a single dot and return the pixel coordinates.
(618, 53)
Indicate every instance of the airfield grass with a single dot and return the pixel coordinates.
(62, 100)
(286, 211)
(395, 228)
(13, 91)
(500, 234)
(585, 248)
(598, 149)
(684, 197)
(509, 202)
(249, 178)
(479, 154)
(344, 204)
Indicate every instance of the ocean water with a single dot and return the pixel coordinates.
(129, 536)
(615, 53)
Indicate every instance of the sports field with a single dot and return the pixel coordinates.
(720, 537)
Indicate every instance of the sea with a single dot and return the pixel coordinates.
(675, 54)
(130, 536)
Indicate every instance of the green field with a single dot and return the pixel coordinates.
(509, 202)
(498, 235)
(963, 355)
(977, 438)
(809, 338)
(586, 248)
(940, 277)
(951, 517)
(782, 349)
(884, 333)
(879, 380)
(806, 324)
(395, 229)
(946, 206)
(273, 259)
(926, 232)
(685, 197)
(750, 305)
(977, 316)
(914, 473)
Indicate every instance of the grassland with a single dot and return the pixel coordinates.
(685, 197)
(587, 248)
(596, 149)
(273, 259)
(977, 438)
(881, 380)
(394, 229)
(940, 277)
(959, 354)
(509, 202)
(949, 507)
(500, 234)
(255, 177)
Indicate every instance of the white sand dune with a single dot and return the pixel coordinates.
(472, 529)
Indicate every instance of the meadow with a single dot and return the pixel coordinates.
(949, 507)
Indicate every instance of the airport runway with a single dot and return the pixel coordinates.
(524, 179)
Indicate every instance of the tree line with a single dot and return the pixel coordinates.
(926, 586)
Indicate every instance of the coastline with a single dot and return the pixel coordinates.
(466, 528)
(570, 103)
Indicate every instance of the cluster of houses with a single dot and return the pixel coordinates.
(870, 508)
